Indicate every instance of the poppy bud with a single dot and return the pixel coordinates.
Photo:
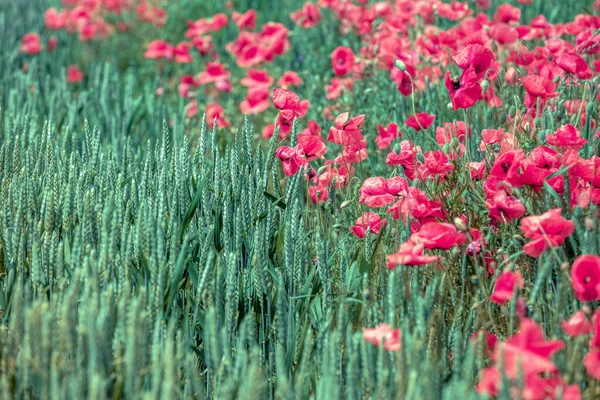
(450, 107)
(565, 266)
(587, 310)
(454, 144)
(589, 108)
(512, 111)
(400, 65)
(556, 79)
(445, 149)
(397, 148)
(542, 136)
(460, 224)
(420, 158)
(485, 85)
(502, 118)
(346, 203)
(589, 224)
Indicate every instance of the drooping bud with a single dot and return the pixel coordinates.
(460, 224)
(400, 65)
(485, 85)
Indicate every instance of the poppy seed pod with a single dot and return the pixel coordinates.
(502, 118)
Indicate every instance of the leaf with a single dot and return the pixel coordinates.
(276, 201)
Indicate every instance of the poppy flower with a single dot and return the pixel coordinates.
(256, 101)
(374, 193)
(527, 351)
(286, 100)
(257, 77)
(346, 130)
(504, 288)
(464, 91)
(337, 87)
(475, 57)
(54, 19)
(159, 49)
(420, 121)
(585, 277)
(74, 74)
(191, 109)
(214, 112)
(290, 160)
(538, 87)
(383, 333)
(567, 136)
(503, 207)
(307, 17)
(415, 204)
(289, 79)
(577, 325)
(213, 72)
(438, 235)
(507, 13)
(342, 60)
(368, 221)
(246, 20)
(387, 135)
(592, 363)
(31, 44)
(310, 147)
(574, 64)
(410, 254)
(182, 54)
(436, 163)
(546, 231)
(52, 43)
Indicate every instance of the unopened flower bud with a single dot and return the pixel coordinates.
(587, 310)
(502, 119)
(420, 158)
(512, 111)
(346, 203)
(397, 148)
(450, 106)
(460, 224)
(485, 85)
(565, 266)
(400, 65)
(589, 224)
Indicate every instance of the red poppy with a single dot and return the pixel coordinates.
(527, 352)
(567, 136)
(507, 14)
(286, 100)
(346, 130)
(290, 160)
(464, 91)
(577, 325)
(416, 204)
(342, 60)
(159, 49)
(31, 44)
(475, 57)
(374, 193)
(504, 288)
(503, 207)
(213, 72)
(592, 363)
(307, 17)
(289, 79)
(52, 43)
(257, 77)
(420, 121)
(410, 254)
(246, 20)
(337, 87)
(574, 64)
(383, 333)
(538, 87)
(436, 163)
(585, 277)
(387, 135)
(74, 74)
(438, 235)
(54, 19)
(368, 221)
(256, 101)
(545, 231)
(182, 54)
(216, 112)
(191, 109)
(310, 147)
